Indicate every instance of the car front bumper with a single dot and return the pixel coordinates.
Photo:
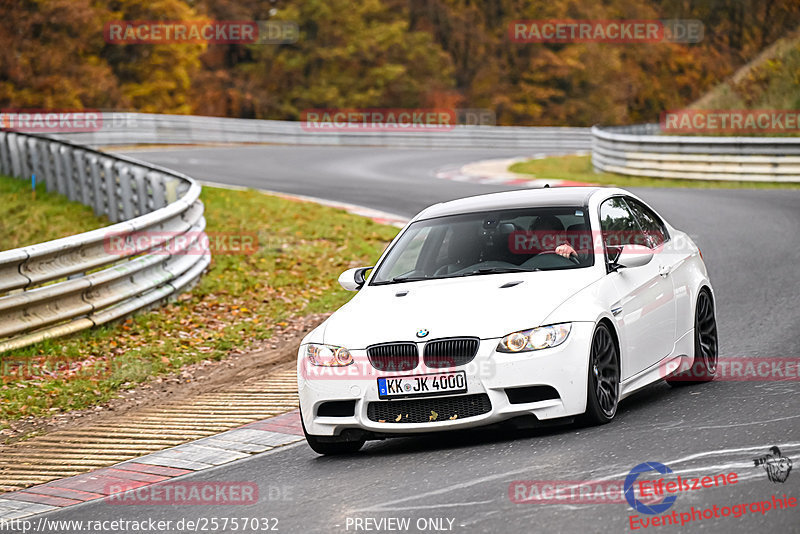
(564, 368)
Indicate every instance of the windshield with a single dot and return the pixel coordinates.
(520, 240)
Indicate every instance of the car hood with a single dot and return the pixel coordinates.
(470, 306)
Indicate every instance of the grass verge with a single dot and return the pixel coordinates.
(579, 169)
(302, 248)
(28, 217)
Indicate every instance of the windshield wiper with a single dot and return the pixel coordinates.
(410, 278)
(498, 270)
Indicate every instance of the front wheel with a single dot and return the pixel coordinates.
(704, 367)
(602, 394)
(331, 447)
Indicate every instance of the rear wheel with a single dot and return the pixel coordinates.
(704, 367)
(602, 395)
(321, 445)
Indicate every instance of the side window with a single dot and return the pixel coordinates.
(617, 223)
(654, 229)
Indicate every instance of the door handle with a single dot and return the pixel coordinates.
(664, 270)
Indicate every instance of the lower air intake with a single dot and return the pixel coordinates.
(429, 410)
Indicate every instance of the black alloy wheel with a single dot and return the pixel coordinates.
(602, 395)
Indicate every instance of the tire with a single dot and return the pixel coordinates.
(602, 392)
(331, 447)
(706, 346)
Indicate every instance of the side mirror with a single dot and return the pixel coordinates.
(630, 256)
(353, 279)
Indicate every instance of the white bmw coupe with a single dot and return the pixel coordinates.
(538, 305)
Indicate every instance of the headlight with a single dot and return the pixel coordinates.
(543, 337)
(328, 355)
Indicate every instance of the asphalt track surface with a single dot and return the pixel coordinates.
(751, 243)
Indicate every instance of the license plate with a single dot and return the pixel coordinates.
(422, 385)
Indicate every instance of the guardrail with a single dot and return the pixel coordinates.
(641, 151)
(70, 284)
(144, 128)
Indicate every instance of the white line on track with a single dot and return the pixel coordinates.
(434, 506)
(762, 422)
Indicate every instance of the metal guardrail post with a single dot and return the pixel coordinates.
(141, 195)
(60, 174)
(125, 192)
(69, 174)
(109, 183)
(156, 185)
(95, 182)
(13, 149)
(5, 161)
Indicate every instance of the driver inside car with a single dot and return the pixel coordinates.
(550, 224)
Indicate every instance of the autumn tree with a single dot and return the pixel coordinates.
(53, 55)
(349, 54)
(154, 78)
(50, 56)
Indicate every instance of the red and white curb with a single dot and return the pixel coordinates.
(495, 172)
(204, 453)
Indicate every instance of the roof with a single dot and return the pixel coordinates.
(523, 198)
